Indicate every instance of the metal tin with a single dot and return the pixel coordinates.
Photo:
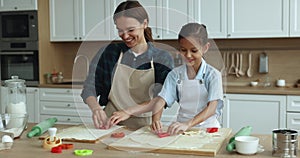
(285, 143)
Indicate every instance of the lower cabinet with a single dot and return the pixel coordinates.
(64, 104)
(293, 112)
(32, 102)
(263, 112)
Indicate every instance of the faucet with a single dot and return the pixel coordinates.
(86, 59)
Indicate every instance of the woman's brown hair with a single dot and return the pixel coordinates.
(134, 9)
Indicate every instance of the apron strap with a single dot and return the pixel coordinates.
(151, 62)
(120, 57)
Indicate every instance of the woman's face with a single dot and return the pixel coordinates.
(193, 51)
(131, 31)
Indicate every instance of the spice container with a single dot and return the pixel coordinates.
(60, 77)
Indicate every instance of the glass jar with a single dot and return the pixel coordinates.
(16, 95)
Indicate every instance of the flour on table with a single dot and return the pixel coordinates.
(193, 139)
(145, 136)
(84, 132)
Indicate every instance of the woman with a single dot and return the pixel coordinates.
(196, 85)
(127, 73)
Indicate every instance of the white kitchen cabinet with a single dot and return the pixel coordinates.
(293, 112)
(256, 18)
(32, 102)
(64, 104)
(18, 5)
(263, 112)
(213, 14)
(3, 96)
(78, 20)
(294, 18)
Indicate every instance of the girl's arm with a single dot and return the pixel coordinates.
(207, 112)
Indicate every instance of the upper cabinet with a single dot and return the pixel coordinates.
(15, 5)
(213, 14)
(77, 20)
(256, 18)
(294, 18)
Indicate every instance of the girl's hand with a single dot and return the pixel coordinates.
(156, 126)
(117, 117)
(99, 118)
(177, 128)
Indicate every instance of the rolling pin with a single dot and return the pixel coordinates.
(42, 127)
(245, 131)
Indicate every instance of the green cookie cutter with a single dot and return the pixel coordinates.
(83, 152)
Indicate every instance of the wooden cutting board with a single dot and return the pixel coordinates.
(194, 142)
(82, 133)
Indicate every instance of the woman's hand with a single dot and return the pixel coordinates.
(156, 126)
(117, 117)
(99, 118)
(177, 128)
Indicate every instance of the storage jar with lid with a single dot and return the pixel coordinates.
(16, 95)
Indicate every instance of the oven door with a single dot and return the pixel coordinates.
(22, 64)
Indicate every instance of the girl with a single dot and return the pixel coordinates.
(196, 86)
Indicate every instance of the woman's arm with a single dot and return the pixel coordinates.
(155, 105)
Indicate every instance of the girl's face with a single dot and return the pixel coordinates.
(131, 31)
(193, 51)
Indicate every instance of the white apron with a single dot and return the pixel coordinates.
(193, 98)
(129, 88)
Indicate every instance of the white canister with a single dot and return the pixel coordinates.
(280, 83)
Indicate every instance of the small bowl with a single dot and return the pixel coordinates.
(13, 123)
(247, 145)
(253, 83)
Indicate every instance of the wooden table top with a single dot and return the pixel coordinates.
(32, 147)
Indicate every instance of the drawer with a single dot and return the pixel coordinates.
(64, 108)
(293, 103)
(68, 119)
(60, 94)
(293, 121)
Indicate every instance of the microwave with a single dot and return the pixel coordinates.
(19, 30)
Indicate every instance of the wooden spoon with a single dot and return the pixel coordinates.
(241, 65)
(232, 67)
(237, 65)
(249, 73)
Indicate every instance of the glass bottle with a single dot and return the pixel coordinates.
(16, 96)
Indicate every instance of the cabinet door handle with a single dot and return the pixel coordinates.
(68, 105)
(68, 119)
(68, 91)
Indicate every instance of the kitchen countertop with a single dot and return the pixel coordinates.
(243, 89)
(32, 147)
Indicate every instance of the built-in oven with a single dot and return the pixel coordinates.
(23, 64)
(19, 30)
